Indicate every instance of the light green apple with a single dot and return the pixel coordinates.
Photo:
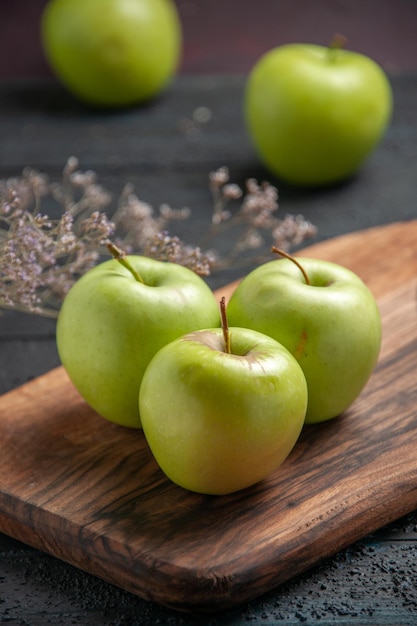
(112, 53)
(316, 113)
(225, 420)
(111, 324)
(332, 326)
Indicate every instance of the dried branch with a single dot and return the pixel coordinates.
(41, 257)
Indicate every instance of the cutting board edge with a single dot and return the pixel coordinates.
(215, 591)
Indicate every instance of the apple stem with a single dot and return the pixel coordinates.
(225, 326)
(294, 260)
(120, 255)
(339, 41)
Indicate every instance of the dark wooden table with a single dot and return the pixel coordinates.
(168, 156)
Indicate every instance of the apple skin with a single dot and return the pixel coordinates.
(112, 53)
(224, 421)
(332, 326)
(110, 326)
(314, 113)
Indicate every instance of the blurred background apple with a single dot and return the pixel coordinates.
(112, 52)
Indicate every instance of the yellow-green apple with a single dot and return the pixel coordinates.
(227, 417)
(331, 324)
(112, 53)
(316, 113)
(116, 317)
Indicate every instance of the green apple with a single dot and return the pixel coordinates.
(330, 324)
(116, 317)
(226, 419)
(112, 53)
(314, 113)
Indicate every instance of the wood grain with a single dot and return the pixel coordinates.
(90, 493)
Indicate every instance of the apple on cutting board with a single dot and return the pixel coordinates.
(325, 315)
(231, 411)
(116, 317)
(316, 113)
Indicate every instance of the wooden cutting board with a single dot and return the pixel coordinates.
(89, 492)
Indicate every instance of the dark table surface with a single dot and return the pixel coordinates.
(167, 155)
